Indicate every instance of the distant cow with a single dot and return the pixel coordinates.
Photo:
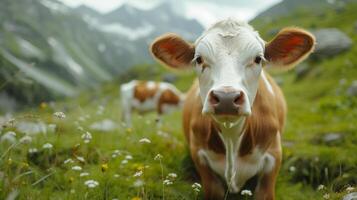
(145, 96)
(234, 114)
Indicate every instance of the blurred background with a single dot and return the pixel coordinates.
(72, 55)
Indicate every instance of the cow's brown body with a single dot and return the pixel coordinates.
(234, 115)
(263, 129)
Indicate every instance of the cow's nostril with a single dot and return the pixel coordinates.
(214, 99)
(239, 99)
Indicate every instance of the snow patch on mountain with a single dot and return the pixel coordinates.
(130, 33)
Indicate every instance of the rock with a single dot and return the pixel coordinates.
(330, 42)
(31, 128)
(170, 78)
(352, 90)
(332, 138)
(350, 196)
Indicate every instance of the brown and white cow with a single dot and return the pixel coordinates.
(145, 96)
(234, 113)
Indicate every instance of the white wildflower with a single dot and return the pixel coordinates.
(123, 162)
(321, 187)
(91, 183)
(172, 175)
(246, 193)
(138, 173)
(326, 196)
(84, 174)
(145, 140)
(59, 115)
(116, 153)
(9, 136)
(196, 187)
(128, 157)
(158, 157)
(80, 128)
(116, 175)
(69, 160)
(167, 182)
(77, 168)
(87, 137)
(349, 189)
(33, 150)
(47, 146)
(11, 133)
(26, 139)
(138, 183)
(80, 158)
(292, 168)
(82, 119)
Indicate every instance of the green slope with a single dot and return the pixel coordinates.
(317, 102)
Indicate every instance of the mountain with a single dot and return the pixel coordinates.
(286, 7)
(49, 50)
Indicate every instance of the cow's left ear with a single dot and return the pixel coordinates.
(289, 47)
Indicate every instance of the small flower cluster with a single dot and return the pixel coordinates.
(145, 140)
(196, 187)
(87, 137)
(116, 153)
(77, 168)
(158, 157)
(246, 193)
(47, 146)
(138, 173)
(59, 115)
(126, 159)
(170, 179)
(91, 183)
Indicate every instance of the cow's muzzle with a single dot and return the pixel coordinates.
(226, 101)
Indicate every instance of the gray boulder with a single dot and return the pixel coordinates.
(331, 42)
(352, 90)
(332, 139)
(350, 196)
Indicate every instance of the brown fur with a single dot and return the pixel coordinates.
(262, 128)
(142, 92)
(169, 98)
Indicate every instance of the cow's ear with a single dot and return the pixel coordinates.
(173, 51)
(289, 47)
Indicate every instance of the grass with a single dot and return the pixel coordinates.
(317, 103)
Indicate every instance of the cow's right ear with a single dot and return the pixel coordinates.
(173, 51)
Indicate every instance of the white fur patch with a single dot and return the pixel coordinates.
(267, 84)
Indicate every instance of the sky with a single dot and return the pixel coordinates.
(205, 11)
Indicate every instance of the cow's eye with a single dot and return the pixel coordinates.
(199, 60)
(258, 60)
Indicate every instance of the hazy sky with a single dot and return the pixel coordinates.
(205, 11)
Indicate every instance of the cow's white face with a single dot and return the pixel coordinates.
(228, 65)
(228, 60)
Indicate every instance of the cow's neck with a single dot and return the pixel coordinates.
(231, 137)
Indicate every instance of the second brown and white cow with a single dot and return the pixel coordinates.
(145, 96)
(234, 113)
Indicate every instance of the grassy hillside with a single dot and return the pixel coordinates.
(126, 168)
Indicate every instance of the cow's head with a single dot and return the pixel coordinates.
(228, 59)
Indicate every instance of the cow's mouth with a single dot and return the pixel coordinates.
(228, 121)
